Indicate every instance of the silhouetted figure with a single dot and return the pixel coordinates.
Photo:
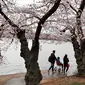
(66, 65)
(52, 59)
(59, 63)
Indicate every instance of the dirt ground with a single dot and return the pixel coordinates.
(5, 78)
(63, 81)
(50, 81)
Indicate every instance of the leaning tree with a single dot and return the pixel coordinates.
(78, 40)
(77, 36)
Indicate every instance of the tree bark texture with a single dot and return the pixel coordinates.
(79, 43)
(33, 75)
(79, 55)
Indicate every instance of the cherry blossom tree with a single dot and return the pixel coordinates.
(78, 40)
(42, 21)
(33, 77)
(76, 26)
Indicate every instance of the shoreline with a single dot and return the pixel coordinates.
(65, 80)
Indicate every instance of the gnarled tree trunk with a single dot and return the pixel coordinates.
(78, 42)
(79, 55)
(33, 75)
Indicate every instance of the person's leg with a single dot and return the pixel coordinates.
(61, 65)
(67, 67)
(52, 67)
(64, 69)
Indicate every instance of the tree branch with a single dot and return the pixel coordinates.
(44, 18)
(7, 19)
(72, 7)
(5, 4)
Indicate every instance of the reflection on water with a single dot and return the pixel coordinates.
(15, 64)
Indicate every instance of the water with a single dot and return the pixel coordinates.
(13, 63)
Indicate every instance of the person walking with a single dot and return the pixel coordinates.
(52, 59)
(66, 65)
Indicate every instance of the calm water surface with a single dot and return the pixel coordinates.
(13, 63)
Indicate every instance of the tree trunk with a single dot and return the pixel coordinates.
(81, 70)
(79, 49)
(33, 75)
(78, 42)
(78, 55)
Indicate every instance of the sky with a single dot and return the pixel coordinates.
(24, 2)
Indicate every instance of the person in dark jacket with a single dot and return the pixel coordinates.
(52, 61)
(66, 65)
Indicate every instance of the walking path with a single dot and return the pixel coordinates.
(20, 80)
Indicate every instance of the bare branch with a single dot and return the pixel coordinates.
(28, 25)
(10, 22)
(2, 30)
(5, 4)
(45, 17)
(72, 7)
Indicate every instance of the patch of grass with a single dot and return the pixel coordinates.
(74, 83)
(78, 83)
